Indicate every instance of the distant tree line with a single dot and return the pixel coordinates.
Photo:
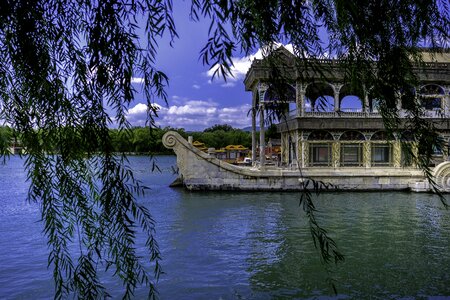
(141, 140)
(144, 140)
(149, 140)
(6, 138)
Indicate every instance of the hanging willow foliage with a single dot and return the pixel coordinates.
(65, 71)
(66, 68)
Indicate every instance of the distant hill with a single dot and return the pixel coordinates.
(249, 128)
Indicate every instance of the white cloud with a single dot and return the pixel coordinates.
(137, 80)
(228, 84)
(193, 115)
(140, 108)
(138, 114)
(241, 65)
(196, 86)
(238, 70)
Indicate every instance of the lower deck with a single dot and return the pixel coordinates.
(201, 171)
(352, 148)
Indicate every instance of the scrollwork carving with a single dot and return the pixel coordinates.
(336, 153)
(367, 154)
(397, 154)
(169, 139)
(305, 154)
(442, 176)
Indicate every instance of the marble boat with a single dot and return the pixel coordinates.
(343, 142)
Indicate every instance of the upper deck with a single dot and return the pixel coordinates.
(318, 96)
(435, 68)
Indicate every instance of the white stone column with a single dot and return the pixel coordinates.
(302, 150)
(254, 98)
(300, 99)
(446, 99)
(262, 144)
(399, 102)
(284, 147)
(336, 89)
(365, 105)
(296, 152)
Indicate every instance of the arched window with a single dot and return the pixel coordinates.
(382, 136)
(284, 93)
(280, 101)
(381, 149)
(351, 148)
(351, 104)
(352, 135)
(319, 97)
(320, 145)
(351, 99)
(431, 96)
(320, 135)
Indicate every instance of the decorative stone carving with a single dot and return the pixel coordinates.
(336, 88)
(368, 135)
(262, 88)
(397, 154)
(305, 154)
(366, 154)
(284, 148)
(169, 139)
(301, 87)
(336, 153)
(442, 176)
(337, 135)
(305, 134)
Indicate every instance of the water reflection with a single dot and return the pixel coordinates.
(256, 245)
(390, 251)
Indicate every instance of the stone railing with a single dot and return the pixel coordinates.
(336, 114)
(431, 114)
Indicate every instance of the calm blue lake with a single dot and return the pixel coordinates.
(252, 245)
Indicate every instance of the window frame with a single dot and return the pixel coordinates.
(315, 146)
(359, 162)
(381, 145)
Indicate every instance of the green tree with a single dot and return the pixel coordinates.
(223, 127)
(6, 138)
(219, 138)
(141, 139)
(272, 133)
(240, 137)
(63, 63)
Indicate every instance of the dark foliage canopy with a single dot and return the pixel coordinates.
(65, 77)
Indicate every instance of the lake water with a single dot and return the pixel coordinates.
(253, 245)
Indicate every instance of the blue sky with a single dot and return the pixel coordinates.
(195, 101)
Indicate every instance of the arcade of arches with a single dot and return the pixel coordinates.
(336, 97)
(349, 146)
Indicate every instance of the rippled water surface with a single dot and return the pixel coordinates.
(253, 245)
